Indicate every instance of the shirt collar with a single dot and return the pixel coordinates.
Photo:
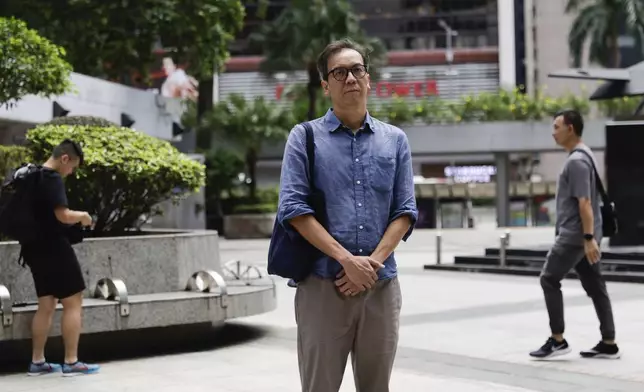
(333, 123)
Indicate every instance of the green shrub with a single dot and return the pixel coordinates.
(268, 195)
(125, 175)
(255, 209)
(619, 107)
(500, 105)
(90, 121)
(11, 157)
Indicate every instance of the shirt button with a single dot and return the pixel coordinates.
(358, 182)
(360, 250)
(359, 204)
(361, 227)
(357, 160)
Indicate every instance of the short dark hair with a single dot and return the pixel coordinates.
(70, 148)
(333, 48)
(574, 118)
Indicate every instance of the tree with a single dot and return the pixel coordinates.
(296, 37)
(115, 39)
(248, 125)
(600, 21)
(29, 64)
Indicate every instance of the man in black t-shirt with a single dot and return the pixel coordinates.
(55, 269)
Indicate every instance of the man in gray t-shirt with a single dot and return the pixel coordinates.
(577, 180)
(578, 234)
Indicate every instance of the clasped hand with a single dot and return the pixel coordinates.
(359, 274)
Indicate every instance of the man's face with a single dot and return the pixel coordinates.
(348, 81)
(561, 132)
(68, 165)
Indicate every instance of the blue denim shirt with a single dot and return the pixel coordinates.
(366, 178)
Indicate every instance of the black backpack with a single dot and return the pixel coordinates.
(17, 200)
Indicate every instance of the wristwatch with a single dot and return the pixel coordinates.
(589, 237)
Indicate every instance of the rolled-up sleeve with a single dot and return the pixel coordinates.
(294, 181)
(404, 201)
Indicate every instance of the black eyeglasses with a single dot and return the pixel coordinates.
(340, 74)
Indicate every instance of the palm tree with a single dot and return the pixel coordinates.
(599, 21)
(248, 125)
(295, 38)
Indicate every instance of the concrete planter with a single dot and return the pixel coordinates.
(249, 225)
(148, 263)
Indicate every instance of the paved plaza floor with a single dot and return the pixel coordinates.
(459, 332)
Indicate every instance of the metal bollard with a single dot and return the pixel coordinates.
(439, 241)
(507, 237)
(502, 251)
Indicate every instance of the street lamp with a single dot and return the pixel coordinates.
(449, 53)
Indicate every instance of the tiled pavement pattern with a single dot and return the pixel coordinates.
(459, 332)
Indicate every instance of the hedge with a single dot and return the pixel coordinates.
(125, 175)
(11, 157)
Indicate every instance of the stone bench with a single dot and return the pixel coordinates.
(143, 281)
(207, 298)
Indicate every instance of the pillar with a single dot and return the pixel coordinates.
(530, 58)
(502, 189)
(507, 52)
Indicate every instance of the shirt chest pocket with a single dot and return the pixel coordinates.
(382, 173)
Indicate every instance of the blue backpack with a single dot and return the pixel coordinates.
(292, 256)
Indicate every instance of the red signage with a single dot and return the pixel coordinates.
(403, 89)
(384, 89)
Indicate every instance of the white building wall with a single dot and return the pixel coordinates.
(552, 25)
(153, 114)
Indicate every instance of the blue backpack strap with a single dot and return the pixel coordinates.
(310, 155)
(310, 152)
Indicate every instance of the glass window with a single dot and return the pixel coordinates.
(407, 24)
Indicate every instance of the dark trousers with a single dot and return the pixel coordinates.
(559, 261)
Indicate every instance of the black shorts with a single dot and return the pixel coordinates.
(54, 267)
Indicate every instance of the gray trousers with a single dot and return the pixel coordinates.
(330, 326)
(559, 261)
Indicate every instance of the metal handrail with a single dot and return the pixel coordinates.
(234, 268)
(6, 306)
(207, 281)
(111, 290)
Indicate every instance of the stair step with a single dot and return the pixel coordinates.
(537, 262)
(610, 276)
(158, 310)
(541, 252)
(519, 252)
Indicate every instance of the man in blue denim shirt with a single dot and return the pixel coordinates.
(351, 302)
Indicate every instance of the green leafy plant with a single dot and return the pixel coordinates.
(266, 202)
(600, 23)
(397, 111)
(115, 39)
(483, 107)
(91, 121)
(126, 173)
(247, 125)
(265, 208)
(293, 40)
(298, 96)
(11, 157)
(222, 170)
(29, 64)
(619, 107)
